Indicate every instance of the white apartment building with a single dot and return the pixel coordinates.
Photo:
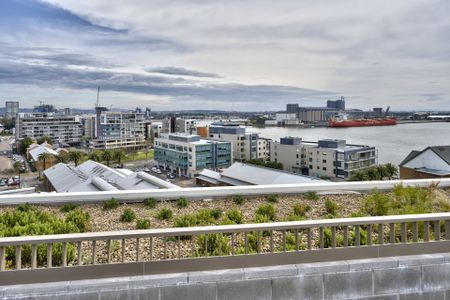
(244, 144)
(61, 129)
(263, 151)
(188, 154)
(325, 159)
(117, 130)
(174, 124)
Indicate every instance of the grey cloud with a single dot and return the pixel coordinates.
(181, 71)
(15, 73)
(433, 96)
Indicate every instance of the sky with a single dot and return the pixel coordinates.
(243, 55)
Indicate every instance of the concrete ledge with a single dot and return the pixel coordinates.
(412, 277)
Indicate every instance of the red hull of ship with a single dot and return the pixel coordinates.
(360, 123)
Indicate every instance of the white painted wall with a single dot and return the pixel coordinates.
(428, 159)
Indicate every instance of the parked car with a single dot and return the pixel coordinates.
(171, 175)
(158, 171)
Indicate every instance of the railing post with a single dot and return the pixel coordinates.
(309, 238)
(49, 255)
(357, 236)
(345, 233)
(79, 253)
(64, 254)
(392, 233)
(321, 240)
(333, 237)
(94, 252)
(447, 229)
(18, 257)
(380, 234)
(108, 251)
(2, 258)
(437, 230)
(34, 256)
(403, 232)
(426, 231)
(415, 232)
(369, 234)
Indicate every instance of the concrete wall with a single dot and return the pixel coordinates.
(408, 277)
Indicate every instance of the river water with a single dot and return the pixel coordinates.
(393, 142)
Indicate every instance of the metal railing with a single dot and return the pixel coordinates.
(129, 196)
(138, 252)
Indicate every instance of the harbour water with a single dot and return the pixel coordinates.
(393, 142)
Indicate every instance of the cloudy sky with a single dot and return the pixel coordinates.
(234, 54)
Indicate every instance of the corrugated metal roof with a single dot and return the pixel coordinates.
(260, 175)
(37, 151)
(62, 177)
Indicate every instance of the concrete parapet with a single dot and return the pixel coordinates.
(409, 277)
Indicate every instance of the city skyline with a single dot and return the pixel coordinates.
(250, 56)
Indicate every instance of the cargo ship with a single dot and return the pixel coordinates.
(362, 122)
(342, 121)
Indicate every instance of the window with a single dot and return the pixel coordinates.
(310, 167)
(324, 161)
(297, 155)
(324, 168)
(318, 168)
(310, 159)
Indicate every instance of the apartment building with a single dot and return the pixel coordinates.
(263, 151)
(117, 130)
(244, 144)
(61, 129)
(187, 154)
(173, 124)
(326, 158)
(11, 109)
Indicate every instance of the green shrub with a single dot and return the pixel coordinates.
(272, 198)
(142, 224)
(235, 216)
(128, 215)
(185, 221)
(376, 204)
(164, 214)
(216, 244)
(111, 204)
(201, 218)
(182, 202)
(331, 207)
(68, 207)
(267, 210)
(204, 217)
(150, 203)
(216, 213)
(239, 199)
(311, 195)
(79, 218)
(300, 209)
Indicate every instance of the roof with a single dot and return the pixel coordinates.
(247, 174)
(38, 150)
(442, 151)
(93, 176)
(433, 172)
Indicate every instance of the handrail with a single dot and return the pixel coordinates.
(198, 230)
(129, 196)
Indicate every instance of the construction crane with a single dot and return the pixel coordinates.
(387, 111)
(97, 104)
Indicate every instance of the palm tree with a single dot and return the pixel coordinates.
(391, 170)
(44, 157)
(382, 171)
(96, 156)
(75, 157)
(119, 155)
(107, 156)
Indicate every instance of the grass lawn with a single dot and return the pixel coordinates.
(140, 155)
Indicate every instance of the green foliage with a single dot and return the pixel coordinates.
(79, 218)
(128, 215)
(300, 209)
(201, 218)
(379, 172)
(27, 220)
(212, 245)
(216, 213)
(235, 216)
(142, 224)
(262, 163)
(311, 195)
(111, 204)
(68, 207)
(267, 211)
(164, 214)
(238, 199)
(182, 202)
(272, 198)
(150, 203)
(331, 207)
(376, 204)
(24, 144)
(44, 139)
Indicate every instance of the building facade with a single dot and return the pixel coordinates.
(244, 144)
(61, 129)
(118, 130)
(432, 162)
(331, 159)
(187, 154)
(337, 104)
(11, 109)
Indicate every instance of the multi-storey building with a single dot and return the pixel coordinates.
(244, 144)
(61, 129)
(11, 109)
(263, 151)
(336, 104)
(117, 130)
(173, 124)
(188, 154)
(327, 158)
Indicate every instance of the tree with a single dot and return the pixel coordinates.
(43, 139)
(107, 156)
(391, 171)
(119, 155)
(25, 143)
(96, 156)
(75, 157)
(61, 158)
(44, 157)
